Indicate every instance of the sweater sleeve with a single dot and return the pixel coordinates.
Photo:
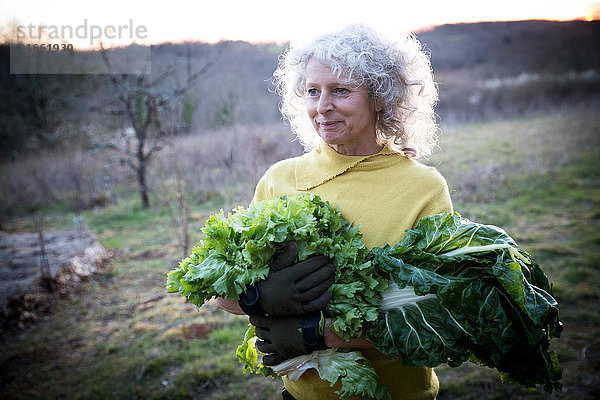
(261, 191)
(278, 180)
(439, 200)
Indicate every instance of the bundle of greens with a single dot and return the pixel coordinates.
(463, 291)
(459, 291)
(236, 251)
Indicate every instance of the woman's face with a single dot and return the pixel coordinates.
(343, 115)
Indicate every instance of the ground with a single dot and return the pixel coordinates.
(35, 269)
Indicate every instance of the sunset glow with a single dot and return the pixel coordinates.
(593, 12)
(268, 20)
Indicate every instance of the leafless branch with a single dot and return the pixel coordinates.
(46, 277)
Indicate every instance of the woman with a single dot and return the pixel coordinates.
(363, 107)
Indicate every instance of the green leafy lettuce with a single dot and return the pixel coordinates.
(236, 250)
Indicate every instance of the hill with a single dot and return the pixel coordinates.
(485, 70)
(501, 49)
(494, 70)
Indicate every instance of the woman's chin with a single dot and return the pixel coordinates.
(331, 137)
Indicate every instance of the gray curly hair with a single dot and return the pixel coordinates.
(397, 74)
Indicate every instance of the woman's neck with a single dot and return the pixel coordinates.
(366, 150)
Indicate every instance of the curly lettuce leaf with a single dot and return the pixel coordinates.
(357, 376)
(236, 250)
(250, 357)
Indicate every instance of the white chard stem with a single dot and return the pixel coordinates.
(476, 249)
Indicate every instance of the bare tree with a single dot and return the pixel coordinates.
(150, 106)
(180, 212)
(46, 275)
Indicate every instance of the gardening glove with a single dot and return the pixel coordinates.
(287, 337)
(291, 289)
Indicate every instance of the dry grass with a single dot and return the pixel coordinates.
(73, 177)
(479, 158)
(223, 165)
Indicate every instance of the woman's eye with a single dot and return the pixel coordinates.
(341, 90)
(312, 92)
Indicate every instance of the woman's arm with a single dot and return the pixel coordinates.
(231, 306)
(333, 340)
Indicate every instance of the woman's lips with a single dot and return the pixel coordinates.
(326, 125)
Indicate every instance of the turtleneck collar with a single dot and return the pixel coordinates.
(324, 163)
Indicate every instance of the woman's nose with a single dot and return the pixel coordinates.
(325, 104)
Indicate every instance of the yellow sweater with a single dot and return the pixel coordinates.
(385, 193)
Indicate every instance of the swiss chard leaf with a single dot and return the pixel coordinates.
(497, 303)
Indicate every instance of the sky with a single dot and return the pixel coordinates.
(124, 21)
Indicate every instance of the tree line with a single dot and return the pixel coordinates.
(484, 70)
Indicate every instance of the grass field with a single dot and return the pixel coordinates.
(120, 336)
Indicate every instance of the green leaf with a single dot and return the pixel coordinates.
(492, 302)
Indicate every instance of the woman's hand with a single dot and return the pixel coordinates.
(282, 338)
(291, 289)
